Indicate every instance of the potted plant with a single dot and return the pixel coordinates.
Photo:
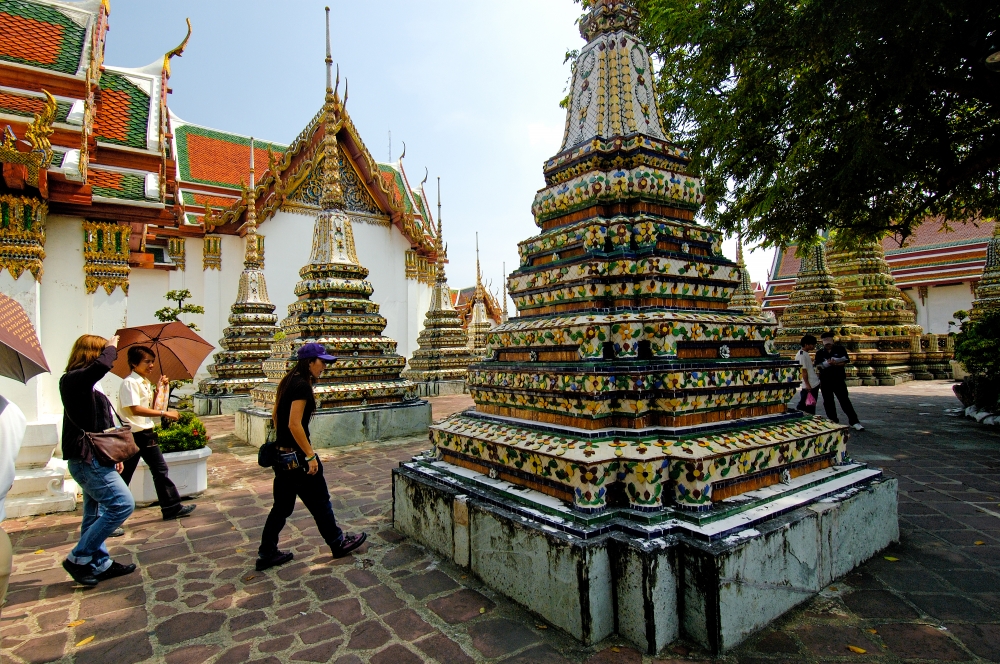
(184, 444)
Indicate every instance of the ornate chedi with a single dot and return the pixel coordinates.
(630, 464)
(480, 323)
(246, 343)
(816, 305)
(625, 366)
(334, 309)
(441, 363)
(744, 300)
(988, 289)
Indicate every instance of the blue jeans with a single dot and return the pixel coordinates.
(107, 502)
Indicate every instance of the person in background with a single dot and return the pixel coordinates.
(107, 501)
(831, 360)
(810, 381)
(12, 428)
(136, 398)
(298, 471)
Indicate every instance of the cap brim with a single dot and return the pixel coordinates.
(328, 358)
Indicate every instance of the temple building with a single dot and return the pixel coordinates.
(246, 343)
(361, 396)
(441, 363)
(936, 269)
(114, 200)
(630, 451)
(464, 299)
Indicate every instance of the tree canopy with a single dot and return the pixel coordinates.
(861, 116)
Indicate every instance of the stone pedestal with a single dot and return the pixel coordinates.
(714, 579)
(440, 388)
(344, 426)
(214, 404)
(38, 479)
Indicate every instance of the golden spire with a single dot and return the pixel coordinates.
(479, 273)
(739, 250)
(505, 291)
(252, 259)
(439, 244)
(332, 197)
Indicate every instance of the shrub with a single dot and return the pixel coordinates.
(978, 348)
(187, 433)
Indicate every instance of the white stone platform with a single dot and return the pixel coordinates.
(712, 578)
(219, 404)
(344, 426)
(441, 388)
(187, 470)
(39, 480)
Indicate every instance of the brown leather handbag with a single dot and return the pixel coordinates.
(112, 446)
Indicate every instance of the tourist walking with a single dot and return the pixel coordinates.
(107, 501)
(831, 360)
(12, 427)
(136, 397)
(810, 380)
(297, 469)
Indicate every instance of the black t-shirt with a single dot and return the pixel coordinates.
(832, 373)
(298, 389)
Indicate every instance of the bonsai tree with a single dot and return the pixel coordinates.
(168, 314)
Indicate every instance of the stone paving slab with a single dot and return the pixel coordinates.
(196, 598)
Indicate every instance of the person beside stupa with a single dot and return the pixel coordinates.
(831, 360)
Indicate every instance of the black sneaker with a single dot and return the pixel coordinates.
(82, 574)
(349, 543)
(273, 560)
(181, 512)
(116, 569)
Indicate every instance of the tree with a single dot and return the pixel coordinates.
(167, 314)
(866, 116)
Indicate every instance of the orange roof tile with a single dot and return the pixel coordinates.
(29, 39)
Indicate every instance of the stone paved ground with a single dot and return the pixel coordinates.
(934, 597)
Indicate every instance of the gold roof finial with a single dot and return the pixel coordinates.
(252, 258)
(332, 197)
(179, 51)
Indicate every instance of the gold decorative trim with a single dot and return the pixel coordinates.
(105, 254)
(212, 253)
(37, 135)
(22, 235)
(177, 251)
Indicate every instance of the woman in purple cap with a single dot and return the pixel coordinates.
(298, 471)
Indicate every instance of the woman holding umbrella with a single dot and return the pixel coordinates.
(107, 502)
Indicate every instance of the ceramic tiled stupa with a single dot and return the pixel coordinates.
(441, 363)
(988, 290)
(744, 300)
(479, 323)
(362, 395)
(630, 464)
(246, 343)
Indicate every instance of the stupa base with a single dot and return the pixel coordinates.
(441, 388)
(344, 426)
(713, 579)
(220, 404)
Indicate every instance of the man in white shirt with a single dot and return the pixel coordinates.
(136, 399)
(810, 379)
(12, 428)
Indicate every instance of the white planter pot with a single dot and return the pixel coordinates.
(188, 470)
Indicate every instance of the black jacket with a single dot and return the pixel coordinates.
(832, 374)
(89, 410)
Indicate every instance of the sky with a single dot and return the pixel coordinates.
(472, 88)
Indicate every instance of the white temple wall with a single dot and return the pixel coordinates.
(934, 313)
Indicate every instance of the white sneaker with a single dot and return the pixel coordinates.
(858, 427)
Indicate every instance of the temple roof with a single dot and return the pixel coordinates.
(46, 34)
